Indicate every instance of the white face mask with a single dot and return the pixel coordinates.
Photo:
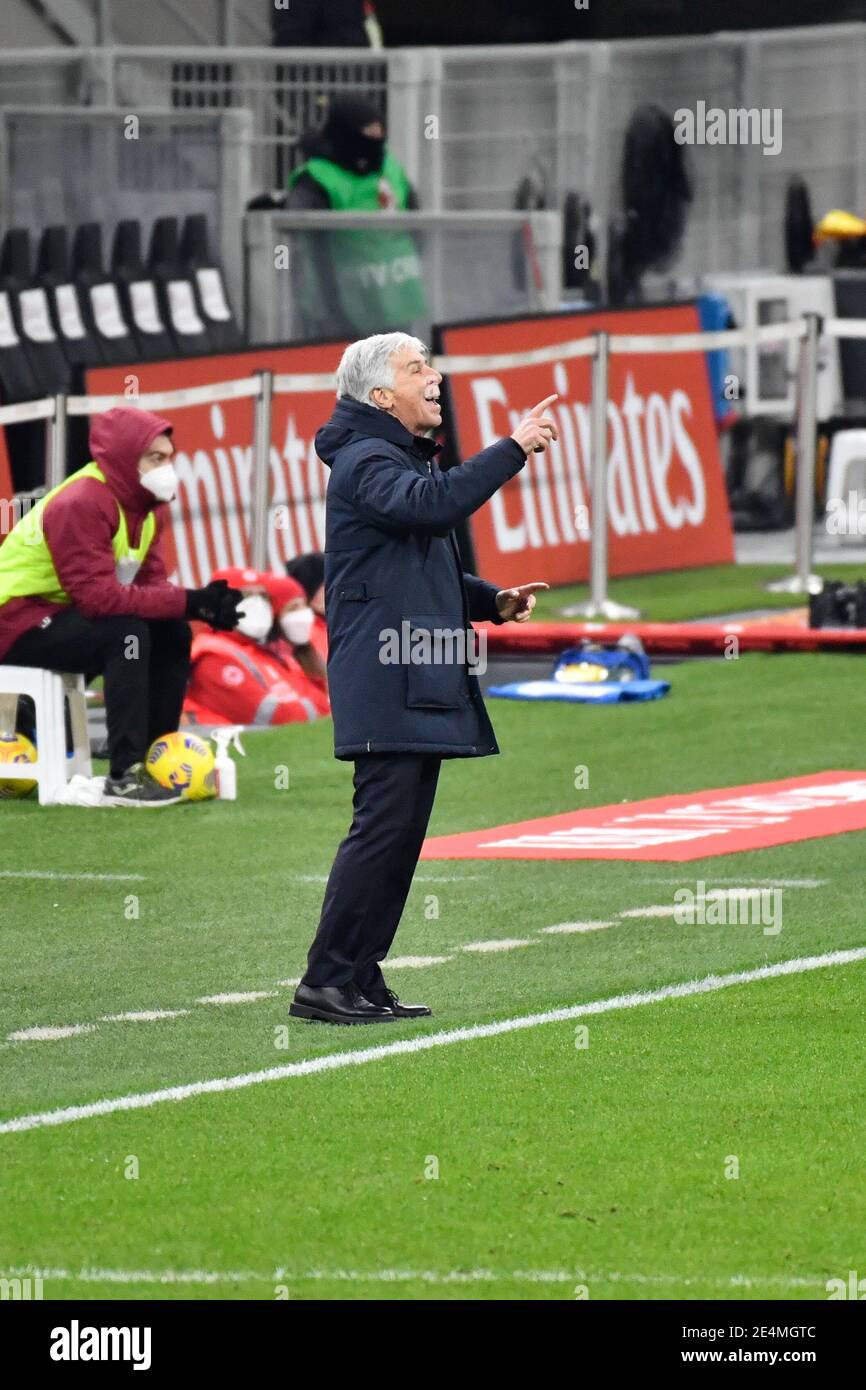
(256, 617)
(297, 625)
(161, 481)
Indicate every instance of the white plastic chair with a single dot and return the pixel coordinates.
(846, 485)
(47, 689)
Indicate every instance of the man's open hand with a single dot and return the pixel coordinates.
(518, 603)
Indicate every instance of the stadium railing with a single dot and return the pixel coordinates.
(599, 347)
(471, 123)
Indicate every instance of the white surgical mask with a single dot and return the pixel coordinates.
(256, 617)
(161, 481)
(297, 625)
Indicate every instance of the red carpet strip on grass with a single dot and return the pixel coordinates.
(695, 825)
(693, 639)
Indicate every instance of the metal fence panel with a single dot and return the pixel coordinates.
(104, 164)
(557, 111)
(473, 265)
(285, 91)
(817, 78)
(508, 114)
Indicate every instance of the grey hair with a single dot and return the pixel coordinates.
(370, 363)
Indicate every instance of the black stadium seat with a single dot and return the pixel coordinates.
(138, 294)
(32, 316)
(18, 382)
(175, 289)
(206, 275)
(100, 301)
(17, 378)
(54, 275)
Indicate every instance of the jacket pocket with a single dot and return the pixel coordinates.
(355, 593)
(435, 658)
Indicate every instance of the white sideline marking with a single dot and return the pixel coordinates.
(336, 1060)
(505, 943)
(717, 894)
(415, 962)
(48, 1034)
(143, 1016)
(406, 1276)
(658, 910)
(767, 882)
(84, 878)
(289, 984)
(451, 878)
(576, 926)
(238, 997)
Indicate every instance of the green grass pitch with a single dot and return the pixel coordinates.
(519, 1166)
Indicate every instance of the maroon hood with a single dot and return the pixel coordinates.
(118, 438)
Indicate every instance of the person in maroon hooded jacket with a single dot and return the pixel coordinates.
(83, 587)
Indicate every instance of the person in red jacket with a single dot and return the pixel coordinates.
(266, 672)
(83, 588)
(297, 628)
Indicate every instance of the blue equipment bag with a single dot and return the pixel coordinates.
(591, 675)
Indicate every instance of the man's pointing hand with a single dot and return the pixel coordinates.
(536, 429)
(518, 603)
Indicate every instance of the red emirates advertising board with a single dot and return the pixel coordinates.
(667, 504)
(211, 515)
(5, 471)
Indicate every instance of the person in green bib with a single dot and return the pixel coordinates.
(83, 588)
(353, 283)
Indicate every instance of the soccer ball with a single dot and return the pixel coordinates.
(15, 748)
(183, 761)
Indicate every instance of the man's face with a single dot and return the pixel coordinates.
(159, 451)
(414, 397)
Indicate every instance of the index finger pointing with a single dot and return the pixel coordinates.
(542, 405)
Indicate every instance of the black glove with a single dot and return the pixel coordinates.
(215, 604)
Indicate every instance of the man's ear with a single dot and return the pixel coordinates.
(379, 397)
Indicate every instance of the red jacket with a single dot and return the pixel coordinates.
(235, 680)
(79, 526)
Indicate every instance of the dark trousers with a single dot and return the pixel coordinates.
(144, 665)
(372, 872)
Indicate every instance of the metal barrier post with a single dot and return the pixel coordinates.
(261, 470)
(599, 605)
(804, 581)
(55, 470)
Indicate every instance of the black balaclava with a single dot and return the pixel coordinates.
(309, 570)
(342, 138)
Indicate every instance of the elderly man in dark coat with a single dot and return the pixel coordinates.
(399, 609)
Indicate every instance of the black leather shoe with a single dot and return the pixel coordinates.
(338, 1004)
(387, 999)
